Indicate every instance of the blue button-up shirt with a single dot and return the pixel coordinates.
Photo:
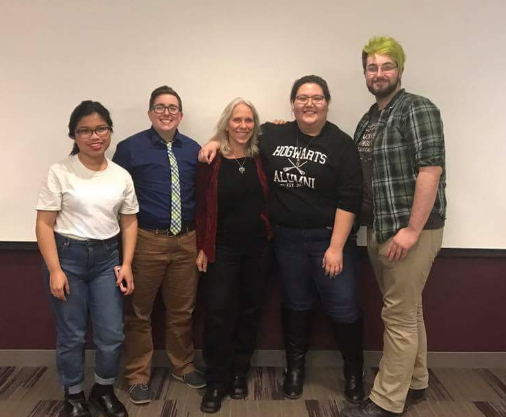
(144, 156)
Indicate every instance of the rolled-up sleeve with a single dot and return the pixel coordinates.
(425, 133)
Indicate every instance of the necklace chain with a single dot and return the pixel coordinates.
(301, 149)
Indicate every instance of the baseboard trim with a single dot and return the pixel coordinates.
(315, 358)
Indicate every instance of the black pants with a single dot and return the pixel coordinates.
(234, 290)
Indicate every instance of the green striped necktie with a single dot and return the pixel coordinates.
(175, 212)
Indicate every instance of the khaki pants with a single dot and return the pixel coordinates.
(404, 361)
(166, 262)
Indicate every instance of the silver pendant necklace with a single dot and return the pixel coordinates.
(241, 166)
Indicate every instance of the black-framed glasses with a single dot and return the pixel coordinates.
(373, 69)
(86, 132)
(303, 99)
(160, 109)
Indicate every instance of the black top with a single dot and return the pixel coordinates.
(240, 202)
(365, 149)
(310, 177)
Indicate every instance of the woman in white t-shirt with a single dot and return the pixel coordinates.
(83, 204)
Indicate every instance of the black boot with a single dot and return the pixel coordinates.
(75, 405)
(350, 337)
(104, 398)
(297, 331)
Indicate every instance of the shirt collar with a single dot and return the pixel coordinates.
(156, 139)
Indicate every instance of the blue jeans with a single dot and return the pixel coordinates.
(89, 267)
(300, 254)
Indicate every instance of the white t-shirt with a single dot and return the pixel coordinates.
(88, 202)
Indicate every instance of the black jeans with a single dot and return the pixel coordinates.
(234, 290)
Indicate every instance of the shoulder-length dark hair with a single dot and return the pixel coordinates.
(84, 109)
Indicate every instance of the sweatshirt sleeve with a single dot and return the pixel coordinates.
(350, 185)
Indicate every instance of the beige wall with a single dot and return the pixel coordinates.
(53, 54)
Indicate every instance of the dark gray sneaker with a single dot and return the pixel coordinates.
(415, 396)
(139, 393)
(194, 379)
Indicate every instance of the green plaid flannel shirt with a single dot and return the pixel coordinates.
(409, 135)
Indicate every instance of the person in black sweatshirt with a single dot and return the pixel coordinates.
(315, 183)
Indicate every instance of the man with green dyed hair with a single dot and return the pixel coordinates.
(401, 146)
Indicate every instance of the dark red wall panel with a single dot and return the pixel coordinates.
(464, 301)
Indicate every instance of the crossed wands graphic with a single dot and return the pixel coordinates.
(295, 166)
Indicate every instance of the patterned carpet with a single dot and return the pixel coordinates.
(35, 392)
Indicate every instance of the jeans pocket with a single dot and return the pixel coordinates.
(111, 246)
(62, 244)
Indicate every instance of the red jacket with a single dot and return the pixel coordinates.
(206, 188)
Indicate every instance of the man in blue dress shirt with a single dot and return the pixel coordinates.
(162, 163)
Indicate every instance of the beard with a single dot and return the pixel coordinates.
(386, 91)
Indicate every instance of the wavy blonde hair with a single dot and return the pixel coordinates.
(221, 128)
